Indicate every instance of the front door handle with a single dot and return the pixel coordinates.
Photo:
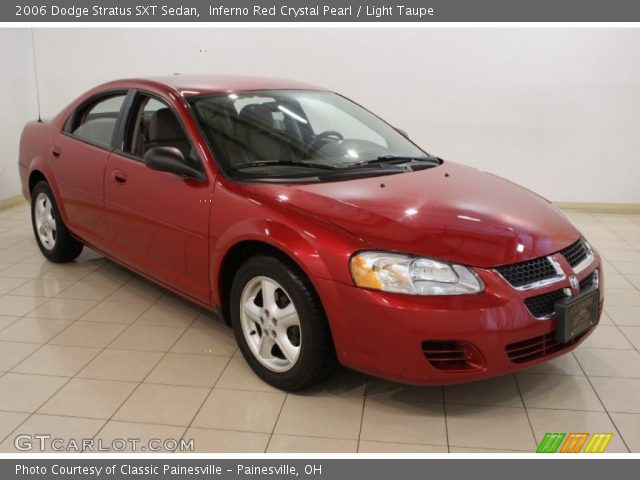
(119, 176)
(55, 151)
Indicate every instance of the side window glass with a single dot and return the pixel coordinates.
(153, 124)
(97, 121)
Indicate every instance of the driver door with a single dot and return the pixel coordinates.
(158, 222)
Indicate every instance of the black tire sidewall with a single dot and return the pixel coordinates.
(66, 247)
(310, 314)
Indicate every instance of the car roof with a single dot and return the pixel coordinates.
(202, 84)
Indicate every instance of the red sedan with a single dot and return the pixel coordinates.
(321, 233)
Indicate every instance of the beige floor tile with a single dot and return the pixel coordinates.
(546, 421)
(157, 404)
(629, 427)
(188, 370)
(606, 336)
(331, 416)
(633, 335)
(605, 319)
(6, 320)
(137, 290)
(562, 365)
(64, 434)
(454, 449)
(62, 308)
(562, 392)
(115, 312)
(342, 382)
(88, 398)
(617, 281)
(7, 284)
(624, 316)
(224, 441)
(621, 297)
(89, 334)
(379, 389)
(609, 363)
(25, 393)
(33, 330)
(366, 446)
(410, 422)
(240, 410)
(293, 444)
(238, 376)
(25, 270)
(148, 437)
(147, 337)
(167, 315)
(72, 272)
(634, 279)
(123, 365)
(9, 421)
(42, 287)
(618, 394)
(15, 305)
(92, 287)
(489, 427)
(59, 360)
(217, 340)
(502, 391)
(12, 353)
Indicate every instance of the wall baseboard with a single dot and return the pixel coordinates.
(599, 207)
(11, 202)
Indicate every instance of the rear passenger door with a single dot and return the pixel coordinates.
(158, 221)
(78, 159)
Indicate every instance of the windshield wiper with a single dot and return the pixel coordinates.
(286, 163)
(395, 159)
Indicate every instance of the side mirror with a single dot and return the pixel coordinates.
(170, 159)
(402, 132)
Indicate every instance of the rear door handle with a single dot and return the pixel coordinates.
(119, 176)
(55, 151)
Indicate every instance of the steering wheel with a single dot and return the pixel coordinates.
(313, 144)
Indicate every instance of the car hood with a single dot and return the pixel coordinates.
(450, 212)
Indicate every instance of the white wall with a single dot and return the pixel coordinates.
(555, 110)
(18, 102)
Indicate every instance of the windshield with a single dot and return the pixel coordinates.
(303, 134)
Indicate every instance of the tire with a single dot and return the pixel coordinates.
(290, 355)
(53, 238)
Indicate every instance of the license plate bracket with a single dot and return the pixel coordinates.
(577, 314)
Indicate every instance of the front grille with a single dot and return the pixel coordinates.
(575, 253)
(450, 355)
(588, 281)
(524, 273)
(544, 305)
(538, 347)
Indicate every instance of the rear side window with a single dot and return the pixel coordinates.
(96, 122)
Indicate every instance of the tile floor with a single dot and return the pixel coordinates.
(89, 350)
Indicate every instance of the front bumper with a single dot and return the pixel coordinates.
(401, 337)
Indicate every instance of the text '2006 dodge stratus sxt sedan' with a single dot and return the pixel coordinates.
(319, 232)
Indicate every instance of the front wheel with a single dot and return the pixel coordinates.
(280, 325)
(53, 238)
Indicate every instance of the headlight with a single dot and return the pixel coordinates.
(393, 272)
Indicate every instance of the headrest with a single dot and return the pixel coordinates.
(164, 126)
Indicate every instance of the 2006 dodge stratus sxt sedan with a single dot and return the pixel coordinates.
(319, 232)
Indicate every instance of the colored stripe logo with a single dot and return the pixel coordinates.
(574, 442)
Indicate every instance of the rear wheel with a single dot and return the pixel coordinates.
(53, 238)
(280, 325)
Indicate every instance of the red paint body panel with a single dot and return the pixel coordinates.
(178, 232)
